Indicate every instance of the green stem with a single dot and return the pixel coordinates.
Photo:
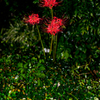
(55, 47)
(41, 40)
(52, 34)
(51, 45)
(52, 13)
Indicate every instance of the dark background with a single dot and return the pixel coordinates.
(15, 9)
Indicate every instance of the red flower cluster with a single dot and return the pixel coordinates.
(33, 19)
(57, 21)
(55, 26)
(49, 3)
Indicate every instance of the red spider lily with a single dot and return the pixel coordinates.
(57, 21)
(33, 19)
(55, 26)
(49, 3)
(53, 29)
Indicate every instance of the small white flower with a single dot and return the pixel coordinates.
(43, 86)
(10, 92)
(16, 77)
(28, 45)
(61, 54)
(23, 98)
(46, 50)
(58, 84)
(30, 67)
(85, 76)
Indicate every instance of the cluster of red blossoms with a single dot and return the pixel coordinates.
(49, 3)
(33, 19)
(54, 26)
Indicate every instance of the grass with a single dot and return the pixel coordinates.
(27, 77)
